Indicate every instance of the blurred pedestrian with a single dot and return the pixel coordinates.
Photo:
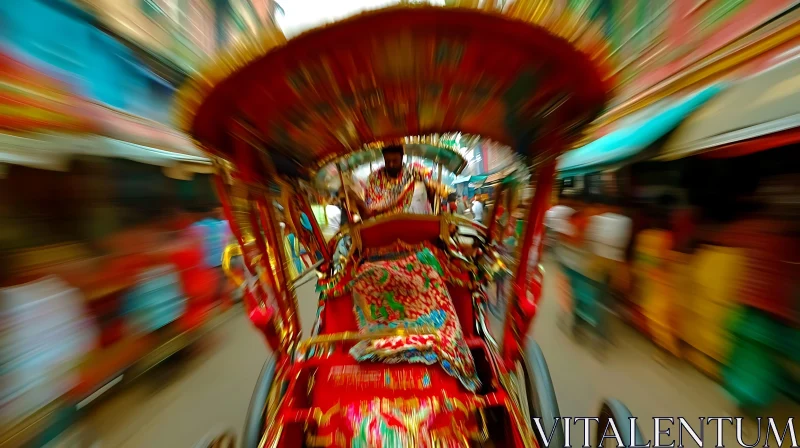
(333, 213)
(214, 233)
(477, 209)
(451, 203)
(461, 205)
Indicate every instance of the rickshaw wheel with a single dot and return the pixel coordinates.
(255, 420)
(616, 410)
(541, 395)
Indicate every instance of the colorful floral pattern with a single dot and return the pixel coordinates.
(384, 192)
(409, 291)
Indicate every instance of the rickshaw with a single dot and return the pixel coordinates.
(274, 113)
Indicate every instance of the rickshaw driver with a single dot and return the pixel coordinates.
(396, 187)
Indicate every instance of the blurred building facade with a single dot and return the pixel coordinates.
(668, 47)
(86, 93)
(183, 31)
(95, 185)
(699, 150)
(127, 54)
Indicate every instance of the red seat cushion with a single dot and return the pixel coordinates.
(462, 301)
(410, 231)
(339, 316)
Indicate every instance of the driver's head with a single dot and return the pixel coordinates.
(393, 160)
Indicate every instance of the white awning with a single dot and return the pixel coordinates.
(760, 105)
(54, 152)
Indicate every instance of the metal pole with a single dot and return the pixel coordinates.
(438, 202)
(346, 195)
(305, 206)
(527, 286)
(262, 216)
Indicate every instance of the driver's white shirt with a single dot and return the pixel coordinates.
(419, 201)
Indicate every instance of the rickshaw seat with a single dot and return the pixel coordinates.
(339, 316)
(410, 229)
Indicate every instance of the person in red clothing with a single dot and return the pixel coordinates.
(452, 207)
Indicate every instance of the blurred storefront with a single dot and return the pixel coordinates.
(184, 32)
(707, 177)
(100, 199)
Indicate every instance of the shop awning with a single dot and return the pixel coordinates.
(624, 144)
(479, 178)
(55, 152)
(500, 175)
(147, 154)
(461, 180)
(764, 105)
(120, 125)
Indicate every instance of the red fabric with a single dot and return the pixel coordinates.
(338, 316)
(746, 147)
(112, 333)
(462, 301)
(187, 256)
(408, 290)
(263, 318)
(200, 283)
(411, 231)
(194, 317)
(342, 385)
(341, 381)
(770, 272)
(683, 228)
(330, 388)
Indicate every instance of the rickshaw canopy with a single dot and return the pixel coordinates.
(509, 75)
